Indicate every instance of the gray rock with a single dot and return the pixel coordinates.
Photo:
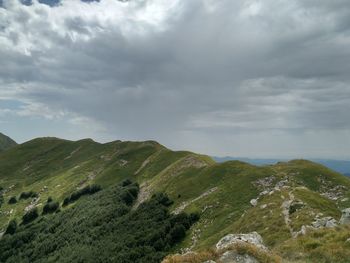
(252, 238)
(327, 221)
(234, 257)
(345, 217)
(209, 261)
(253, 202)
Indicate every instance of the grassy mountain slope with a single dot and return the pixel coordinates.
(6, 142)
(219, 192)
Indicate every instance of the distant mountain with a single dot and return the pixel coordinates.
(6, 142)
(341, 166)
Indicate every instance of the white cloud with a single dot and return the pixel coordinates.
(188, 73)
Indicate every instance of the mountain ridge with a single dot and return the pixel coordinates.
(341, 166)
(229, 197)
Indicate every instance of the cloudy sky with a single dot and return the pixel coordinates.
(253, 78)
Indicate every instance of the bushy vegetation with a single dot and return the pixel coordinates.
(12, 200)
(100, 228)
(30, 216)
(11, 228)
(50, 207)
(26, 195)
(87, 190)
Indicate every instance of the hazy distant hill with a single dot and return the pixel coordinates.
(6, 142)
(341, 166)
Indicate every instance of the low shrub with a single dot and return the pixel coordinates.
(26, 195)
(11, 228)
(50, 207)
(126, 182)
(30, 216)
(87, 190)
(163, 199)
(12, 200)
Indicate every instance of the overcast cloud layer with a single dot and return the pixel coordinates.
(266, 78)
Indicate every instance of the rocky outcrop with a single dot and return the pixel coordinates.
(286, 205)
(327, 221)
(234, 257)
(233, 248)
(232, 239)
(345, 217)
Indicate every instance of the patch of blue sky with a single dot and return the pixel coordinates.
(11, 104)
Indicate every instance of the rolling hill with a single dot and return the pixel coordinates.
(6, 142)
(340, 166)
(277, 201)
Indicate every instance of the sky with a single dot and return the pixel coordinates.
(249, 78)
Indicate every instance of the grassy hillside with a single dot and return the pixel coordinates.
(6, 142)
(288, 195)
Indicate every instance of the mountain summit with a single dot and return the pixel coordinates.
(6, 142)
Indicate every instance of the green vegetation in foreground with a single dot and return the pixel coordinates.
(100, 228)
(322, 246)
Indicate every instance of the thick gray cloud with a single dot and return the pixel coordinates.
(254, 78)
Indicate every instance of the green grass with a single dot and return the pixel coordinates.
(325, 245)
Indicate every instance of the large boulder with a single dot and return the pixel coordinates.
(345, 217)
(234, 257)
(232, 239)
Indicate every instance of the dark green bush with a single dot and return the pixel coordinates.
(11, 228)
(126, 182)
(26, 195)
(163, 199)
(50, 207)
(12, 200)
(30, 216)
(87, 190)
(127, 197)
(177, 233)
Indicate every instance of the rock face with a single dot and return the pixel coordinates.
(324, 222)
(252, 238)
(345, 217)
(234, 257)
